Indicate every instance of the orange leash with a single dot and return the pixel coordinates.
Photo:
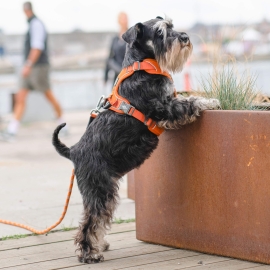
(54, 225)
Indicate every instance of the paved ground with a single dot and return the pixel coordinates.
(34, 179)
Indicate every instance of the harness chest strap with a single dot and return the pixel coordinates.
(121, 105)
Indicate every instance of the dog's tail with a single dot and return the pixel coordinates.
(62, 149)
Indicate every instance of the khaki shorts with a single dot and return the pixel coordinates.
(38, 79)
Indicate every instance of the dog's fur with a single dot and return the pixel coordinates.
(114, 144)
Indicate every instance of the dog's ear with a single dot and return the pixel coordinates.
(158, 17)
(134, 33)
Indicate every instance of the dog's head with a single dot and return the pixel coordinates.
(157, 39)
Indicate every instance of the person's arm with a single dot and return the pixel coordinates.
(111, 64)
(114, 66)
(38, 36)
(106, 72)
(107, 68)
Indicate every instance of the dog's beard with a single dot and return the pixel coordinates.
(174, 59)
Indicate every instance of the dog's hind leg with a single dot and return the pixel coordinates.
(88, 251)
(99, 205)
(181, 111)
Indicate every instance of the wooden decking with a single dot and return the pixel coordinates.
(56, 251)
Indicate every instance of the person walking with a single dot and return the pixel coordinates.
(35, 71)
(118, 49)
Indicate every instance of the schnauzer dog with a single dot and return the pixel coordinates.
(114, 144)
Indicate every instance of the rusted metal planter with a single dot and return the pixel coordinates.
(131, 185)
(207, 187)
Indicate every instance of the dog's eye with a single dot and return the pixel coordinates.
(160, 33)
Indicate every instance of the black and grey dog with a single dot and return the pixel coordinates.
(114, 144)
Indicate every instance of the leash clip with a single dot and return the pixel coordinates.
(101, 103)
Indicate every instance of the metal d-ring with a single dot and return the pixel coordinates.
(94, 110)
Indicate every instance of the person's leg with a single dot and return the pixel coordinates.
(60, 120)
(20, 100)
(41, 82)
(19, 107)
(51, 98)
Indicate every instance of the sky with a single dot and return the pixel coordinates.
(101, 15)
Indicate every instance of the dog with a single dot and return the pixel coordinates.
(114, 144)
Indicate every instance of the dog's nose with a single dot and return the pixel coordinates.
(183, 37)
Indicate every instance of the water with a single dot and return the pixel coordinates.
(260, 69)
(81, 89)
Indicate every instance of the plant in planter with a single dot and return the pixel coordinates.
(207, 187)
(234, 92)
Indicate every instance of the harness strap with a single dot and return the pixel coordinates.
(121, 105)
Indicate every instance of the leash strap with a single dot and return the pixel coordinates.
(121, 105)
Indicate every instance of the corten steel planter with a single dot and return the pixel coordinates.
(207, 187)
(131, 185)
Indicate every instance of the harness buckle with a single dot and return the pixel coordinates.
(126, 108)
(139, 66)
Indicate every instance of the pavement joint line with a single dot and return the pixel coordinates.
(113, 249)
(37, 245)
(42, 244)
(6, 267)
(186, 267)
(81, 265)
(58, 230)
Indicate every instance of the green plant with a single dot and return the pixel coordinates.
(15, 236)
(234, 92)
(66, 229)
(18, 236)
(63, 229)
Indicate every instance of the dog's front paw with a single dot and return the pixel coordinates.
(213, 104)
(207, 104)
(91, 258)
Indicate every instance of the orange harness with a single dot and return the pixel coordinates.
(121, 105)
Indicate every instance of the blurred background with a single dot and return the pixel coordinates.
(80, 34)
(33, 176)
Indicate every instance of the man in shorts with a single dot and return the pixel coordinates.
(35, 72)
